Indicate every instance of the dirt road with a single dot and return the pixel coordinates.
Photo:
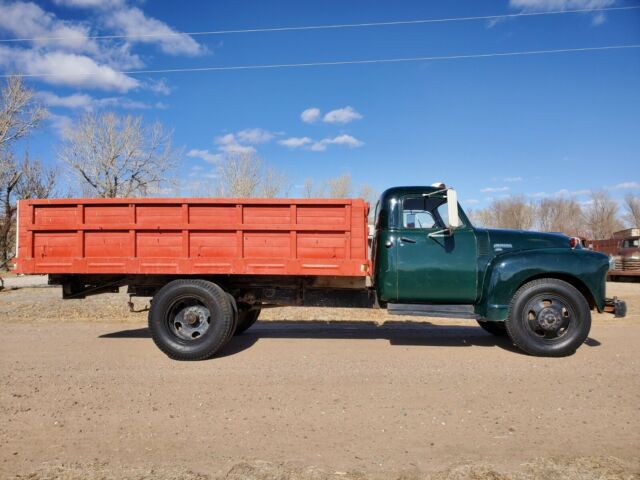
(84, 393)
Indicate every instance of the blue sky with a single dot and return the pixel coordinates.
(531, 125)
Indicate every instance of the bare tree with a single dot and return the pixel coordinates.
(340, 187)
(481, 217)
(632, 206)
(244, 175)
(274, 183)
(369, 193)
(20, 181)
(19, 112)
(601, 216)
(36, 181)
(116, 156)
(309, 190)
(560, 215)
(512, 212)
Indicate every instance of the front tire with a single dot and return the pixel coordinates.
(191, 319)
(548, 317)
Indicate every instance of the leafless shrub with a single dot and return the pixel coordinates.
(114, 156)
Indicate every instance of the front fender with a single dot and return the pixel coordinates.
(506, 273)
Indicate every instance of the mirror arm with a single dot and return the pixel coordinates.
(445, 232)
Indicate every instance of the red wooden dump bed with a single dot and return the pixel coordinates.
(193, 236)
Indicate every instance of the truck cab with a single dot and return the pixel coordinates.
(429, 259)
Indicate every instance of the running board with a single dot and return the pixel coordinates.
(432, 310)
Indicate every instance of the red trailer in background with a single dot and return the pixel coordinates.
(193, 236)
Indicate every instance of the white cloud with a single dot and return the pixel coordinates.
(124, 103)
(77, 100)
(344, 139)
(133, 21)
(61, 68)
(87, 102)
(295, 142)
(61, 124)
(159, 86)
(512, 179)
(548, 5)
(205, 155)
(342, 116)
(89, 3)
(627, 185)
(554, 5)
(254, 136)
(560, 193)
(599, 18)
(229, 143)
(494, 189)
(28, 20)
(128, 20)
(310, 115)
(471, 201)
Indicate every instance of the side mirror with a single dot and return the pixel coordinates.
(452, 209)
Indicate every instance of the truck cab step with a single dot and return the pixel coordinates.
(433, 310)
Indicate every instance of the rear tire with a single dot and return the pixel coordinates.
(548, 317)
(246, 318)
(191, 319)
(494, 328)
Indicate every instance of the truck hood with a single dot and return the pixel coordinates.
(503, 241)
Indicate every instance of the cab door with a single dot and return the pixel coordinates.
(434, 265)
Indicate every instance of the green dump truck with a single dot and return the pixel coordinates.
(211, 265)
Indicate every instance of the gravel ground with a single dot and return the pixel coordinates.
(310, 394)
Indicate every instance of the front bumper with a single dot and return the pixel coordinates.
(615, 306)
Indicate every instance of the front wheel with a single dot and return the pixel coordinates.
(548, 317)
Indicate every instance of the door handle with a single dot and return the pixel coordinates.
(407, 240)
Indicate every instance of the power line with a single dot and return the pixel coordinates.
(328, 27)
(334, 63)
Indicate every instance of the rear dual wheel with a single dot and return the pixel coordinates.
(246, 318)
(191, 319)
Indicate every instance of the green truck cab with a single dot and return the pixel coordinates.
(539, 288)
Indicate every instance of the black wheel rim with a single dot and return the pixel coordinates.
(188, 319)
(549, 317)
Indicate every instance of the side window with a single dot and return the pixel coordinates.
(418, 212)
(443, 212)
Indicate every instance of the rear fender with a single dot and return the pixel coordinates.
(584, 269)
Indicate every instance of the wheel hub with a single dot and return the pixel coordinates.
(550, 318)
(191, 322)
